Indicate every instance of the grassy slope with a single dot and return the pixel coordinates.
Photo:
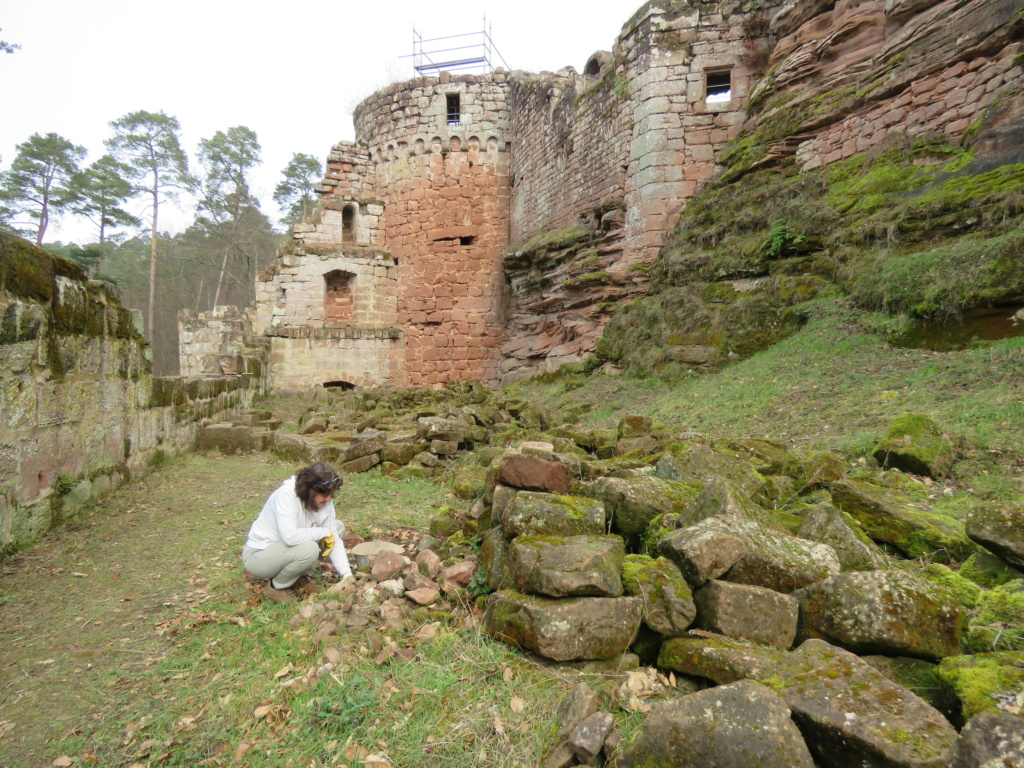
(834, 386)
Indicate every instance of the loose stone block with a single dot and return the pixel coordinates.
(748, 613)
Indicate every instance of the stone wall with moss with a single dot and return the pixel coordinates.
(80, 411)
(880, 162)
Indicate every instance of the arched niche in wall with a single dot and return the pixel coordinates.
(338, 291)
(344, 386)
(455, 144)
(348, 223)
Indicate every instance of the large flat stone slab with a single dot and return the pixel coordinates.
(852, 716)
(885, 612)
(547, 514)
(721, 659)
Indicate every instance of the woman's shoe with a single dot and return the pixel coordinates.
(278, 595)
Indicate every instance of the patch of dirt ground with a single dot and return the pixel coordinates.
(87, 609)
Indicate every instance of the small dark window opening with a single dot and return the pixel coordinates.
(466, 240)
(593, 67)
(344, 386)
(348, 225)
(719, 87)
(454, 109)
(338, 300)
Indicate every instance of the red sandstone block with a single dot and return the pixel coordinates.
(957, 126)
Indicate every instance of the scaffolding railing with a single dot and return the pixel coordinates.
(470, 53)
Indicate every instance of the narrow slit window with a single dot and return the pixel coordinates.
(348, 224)
(719, 87)
(454, 109)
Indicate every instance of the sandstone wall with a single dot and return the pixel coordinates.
(572, 135)
(80, 413)
(443, 180)
(853, 77)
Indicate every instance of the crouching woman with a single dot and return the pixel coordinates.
(297, 527)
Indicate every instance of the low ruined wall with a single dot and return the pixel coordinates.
(80, 412)
(301, 358)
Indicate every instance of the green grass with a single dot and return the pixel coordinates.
(834, 385)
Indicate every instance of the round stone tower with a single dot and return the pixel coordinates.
(439, 150)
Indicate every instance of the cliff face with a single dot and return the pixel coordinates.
(880, 160)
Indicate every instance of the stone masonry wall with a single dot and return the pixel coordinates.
(80, 413)
(677, 133)
(572, 135)
(220, 342)
(444, 185)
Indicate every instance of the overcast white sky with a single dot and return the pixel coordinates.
(292, 72)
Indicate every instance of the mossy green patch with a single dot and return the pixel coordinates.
(985, 682)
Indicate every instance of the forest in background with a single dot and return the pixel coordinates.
(212, 262)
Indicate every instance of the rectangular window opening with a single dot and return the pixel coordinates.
(454, 109)
(466, 240)
(719, 87)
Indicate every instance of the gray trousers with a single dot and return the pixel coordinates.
(281, 563)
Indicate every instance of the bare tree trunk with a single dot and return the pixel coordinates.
(199, 292)
(152, 260)
(220, 278)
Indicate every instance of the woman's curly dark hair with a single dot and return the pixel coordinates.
(314, 479)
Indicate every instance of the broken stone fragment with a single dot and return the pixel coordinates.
(386, 565)
(721, 659)
(566, 629)
(423, 596)
(575, 707)
(742, 724)
(702, 552)
(588, 737)
(459, 573)
(546, 514)
(856, 552)
(632, 503)
(696, 462)
(990, 740)
(429, 562)
(748, 613)
(567, 566)
(533, 474)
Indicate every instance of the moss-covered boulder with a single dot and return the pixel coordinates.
(548, 514)
(567, 566)
(997, 624)
(469, 482)
(965, 591)
(827, 525)
(985, 682)
(742, 724)
(914, 443)
(494, 560)
(695, 462)
(632, 503)
(894, 518)
(1000, 530)
(884, 612)
(720, 659)
(632, 426)
(987, 570)
(668, 602)
(852, 715)
(563, 630)
(817, 470)
(766, 457)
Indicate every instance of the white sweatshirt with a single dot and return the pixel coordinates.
(284, 519)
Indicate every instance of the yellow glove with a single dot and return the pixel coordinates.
(326, 545)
